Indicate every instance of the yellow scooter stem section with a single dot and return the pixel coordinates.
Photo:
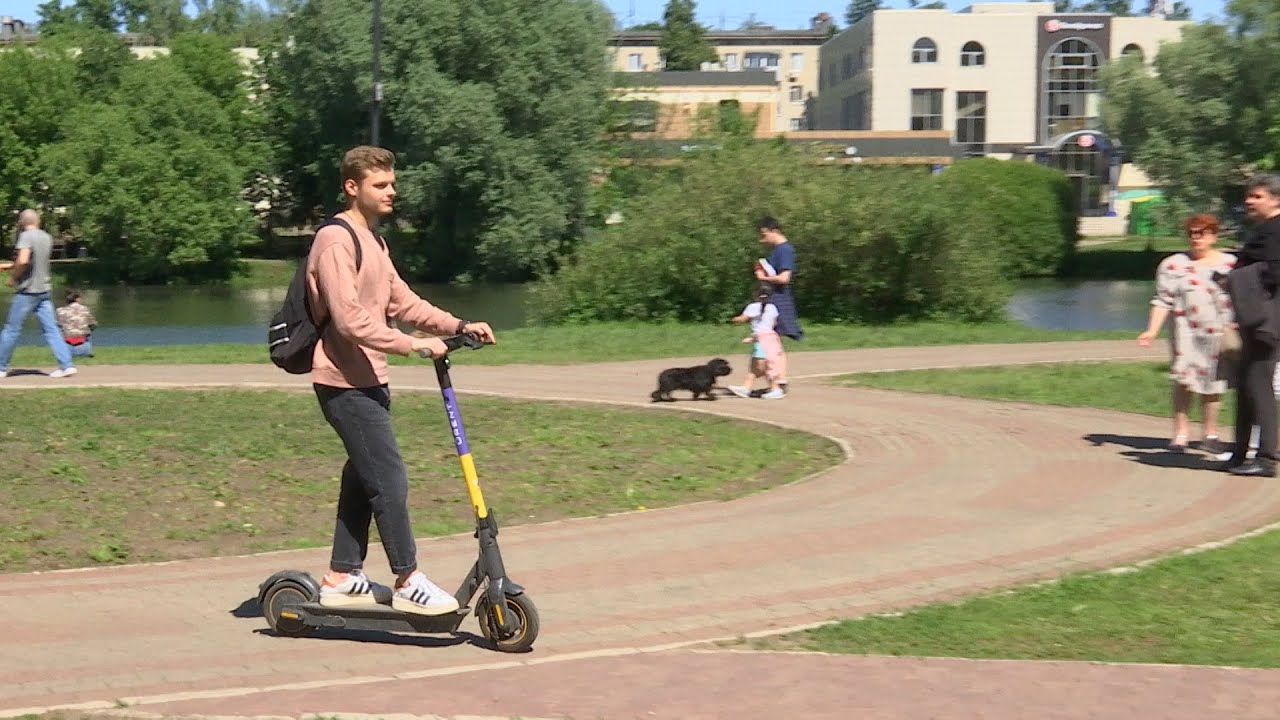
(473, 485)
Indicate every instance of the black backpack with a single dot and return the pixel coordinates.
(292, 334)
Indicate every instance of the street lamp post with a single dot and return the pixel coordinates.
(375, 109)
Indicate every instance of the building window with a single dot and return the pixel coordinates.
(1070, 93)
(972, 55)
(1133, 49)
(926, 109)
(924, 51)
(634, 63)
(797, 62)
(797, 123)
(797, 93)
(846, 66)
(731, 61)
(971, 118)
(762, 61)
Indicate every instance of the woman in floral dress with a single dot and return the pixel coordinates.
(1201, 311)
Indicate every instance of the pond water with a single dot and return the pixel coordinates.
(176, 316)
(181, 316)
(1083, 304)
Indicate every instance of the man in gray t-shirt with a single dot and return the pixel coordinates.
(30, 280)
(35, 279)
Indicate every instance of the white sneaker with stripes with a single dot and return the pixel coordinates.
(353, 589)
(420, 595)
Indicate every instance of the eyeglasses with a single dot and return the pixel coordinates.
(1198, 233)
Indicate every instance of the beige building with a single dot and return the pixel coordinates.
(683, 104)
(1004, 78)
(790, 55)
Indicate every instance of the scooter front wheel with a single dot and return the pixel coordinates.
(522, 609)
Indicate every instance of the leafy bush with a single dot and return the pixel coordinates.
(1026, 208)
(874, 244)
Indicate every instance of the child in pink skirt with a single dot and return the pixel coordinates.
(767, 357)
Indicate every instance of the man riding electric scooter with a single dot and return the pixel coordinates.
(353, 303)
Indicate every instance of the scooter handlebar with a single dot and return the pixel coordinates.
(471, 341)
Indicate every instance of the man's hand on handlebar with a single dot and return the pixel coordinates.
(431, 346)
(434, 347)
(481, 330)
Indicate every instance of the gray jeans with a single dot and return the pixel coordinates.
(375, 485)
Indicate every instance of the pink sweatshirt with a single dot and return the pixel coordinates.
(353, 346)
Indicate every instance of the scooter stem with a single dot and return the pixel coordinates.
(460, 438)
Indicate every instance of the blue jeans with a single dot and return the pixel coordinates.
(25, 304)
(84, 349)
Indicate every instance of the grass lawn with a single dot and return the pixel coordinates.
(1216, 607)
(1137, 387)
(616, 341)
(108, 476)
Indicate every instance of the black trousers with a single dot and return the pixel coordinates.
(1255, 399)
(375, 485)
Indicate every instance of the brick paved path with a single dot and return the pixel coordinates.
(940, 497)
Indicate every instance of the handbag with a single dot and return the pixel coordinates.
(1231, 342)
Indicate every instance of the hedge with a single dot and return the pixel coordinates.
(874, 244)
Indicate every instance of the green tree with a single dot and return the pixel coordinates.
(652, 26)
(151, 176)
(157, 19)
(494, 111)
(1200, 120)
(859, 9)
(97, 14)
(55, 19)
(40, 89)
(102, 58)
(683, 43)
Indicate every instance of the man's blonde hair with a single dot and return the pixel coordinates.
(360, 161)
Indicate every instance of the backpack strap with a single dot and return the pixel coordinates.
(355, 239)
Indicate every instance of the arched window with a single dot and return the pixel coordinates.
(1070, 88)
(973, 55)
(1133, 49)
(924, 51)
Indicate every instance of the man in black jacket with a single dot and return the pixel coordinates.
(1255, 396)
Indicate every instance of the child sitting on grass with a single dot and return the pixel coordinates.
(77, 323)
(767, 358)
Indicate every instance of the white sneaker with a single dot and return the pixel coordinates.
(355, 589)
(740, 391)
(63, 373)
(774, 394)
(4, 373)
(420, 595)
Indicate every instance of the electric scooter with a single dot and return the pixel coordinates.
(290, 599)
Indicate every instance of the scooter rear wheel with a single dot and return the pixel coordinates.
(280, 596)
(526, 616)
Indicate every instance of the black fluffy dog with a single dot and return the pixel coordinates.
(697, 380)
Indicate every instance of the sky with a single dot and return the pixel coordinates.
(728, 14)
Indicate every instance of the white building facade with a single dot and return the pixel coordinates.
(1006, 79)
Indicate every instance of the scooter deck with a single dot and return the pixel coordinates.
(376, 617)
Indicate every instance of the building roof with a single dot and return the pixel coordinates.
(699, 78)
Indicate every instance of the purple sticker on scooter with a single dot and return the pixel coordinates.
(455, 421)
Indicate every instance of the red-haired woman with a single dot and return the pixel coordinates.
(1201, 310)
